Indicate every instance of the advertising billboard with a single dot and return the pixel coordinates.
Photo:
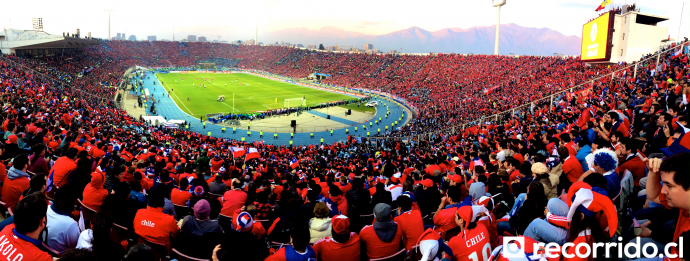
(596, 39)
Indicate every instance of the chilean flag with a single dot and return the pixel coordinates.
(294, 163)
(237, 151)
(252, 154)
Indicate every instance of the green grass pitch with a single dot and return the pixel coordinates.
(260, 95)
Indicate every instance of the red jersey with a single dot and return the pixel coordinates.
(156, 226)
(444, 220)
(180, 197)
(328, 249)
(12, 189)
(412, 227)
(471, 244)
(20, 247)
(572, 168)
(62, 167)
(375, 247)
(232, 200)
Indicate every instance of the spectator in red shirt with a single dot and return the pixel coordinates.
(342, 246)
(94, 193)
(571, 166)
(444, 219)
(631, 161)
(17, 181)
(22, 238)
(63, 166)
(233, 199)
(180, 196)
(473, 240)
(154, 225)
(410, 221)
(384, 238)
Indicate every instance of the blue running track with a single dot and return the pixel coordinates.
(167, 108)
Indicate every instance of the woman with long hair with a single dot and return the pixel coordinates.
(533, 207)
(586, 210)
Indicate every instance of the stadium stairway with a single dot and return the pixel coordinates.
(169, 109)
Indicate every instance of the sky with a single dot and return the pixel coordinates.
(237, 20)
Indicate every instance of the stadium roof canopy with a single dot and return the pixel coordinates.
(20, 42)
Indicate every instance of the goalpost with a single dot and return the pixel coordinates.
(294, 102)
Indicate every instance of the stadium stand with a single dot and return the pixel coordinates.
(525, 158)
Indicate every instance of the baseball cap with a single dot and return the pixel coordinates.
(428, 183)
(455, 178)
(340, 224)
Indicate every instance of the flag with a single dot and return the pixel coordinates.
(252, 154)
(294, 163)
(49, 185)
(603, 4)
(680, 145)
(237, 151)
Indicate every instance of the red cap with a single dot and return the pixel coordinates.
(428, 183)
(32, 129)
(341, 224)
(465, 213)
(169, 166)
(455, 178)
(11, 139)
(351, 176)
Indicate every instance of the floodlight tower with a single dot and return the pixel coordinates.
(498, 22)
(108, 23)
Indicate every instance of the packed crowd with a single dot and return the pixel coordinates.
(82, 180)
(450, 86)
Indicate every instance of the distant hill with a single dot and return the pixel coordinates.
(478, 40)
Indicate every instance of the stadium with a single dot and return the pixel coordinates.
(117, 149)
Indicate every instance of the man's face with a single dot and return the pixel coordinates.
(614, 139)
(660, 122)
(624, 151)
(676, 195)
(607, 118)
(594, 147)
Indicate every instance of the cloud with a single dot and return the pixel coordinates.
(373, 23)
(360, 26)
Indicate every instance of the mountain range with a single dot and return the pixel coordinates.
(514, 39)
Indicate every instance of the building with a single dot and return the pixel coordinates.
(38, 44)
(250, 42)
(202, 38)
(330, 48)
(372, 51)
(132, 38)
(311, 46)
(191, 38)
(633, 35)
(151, 38)
(393, 51)
(368, 46)
(300, 45)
